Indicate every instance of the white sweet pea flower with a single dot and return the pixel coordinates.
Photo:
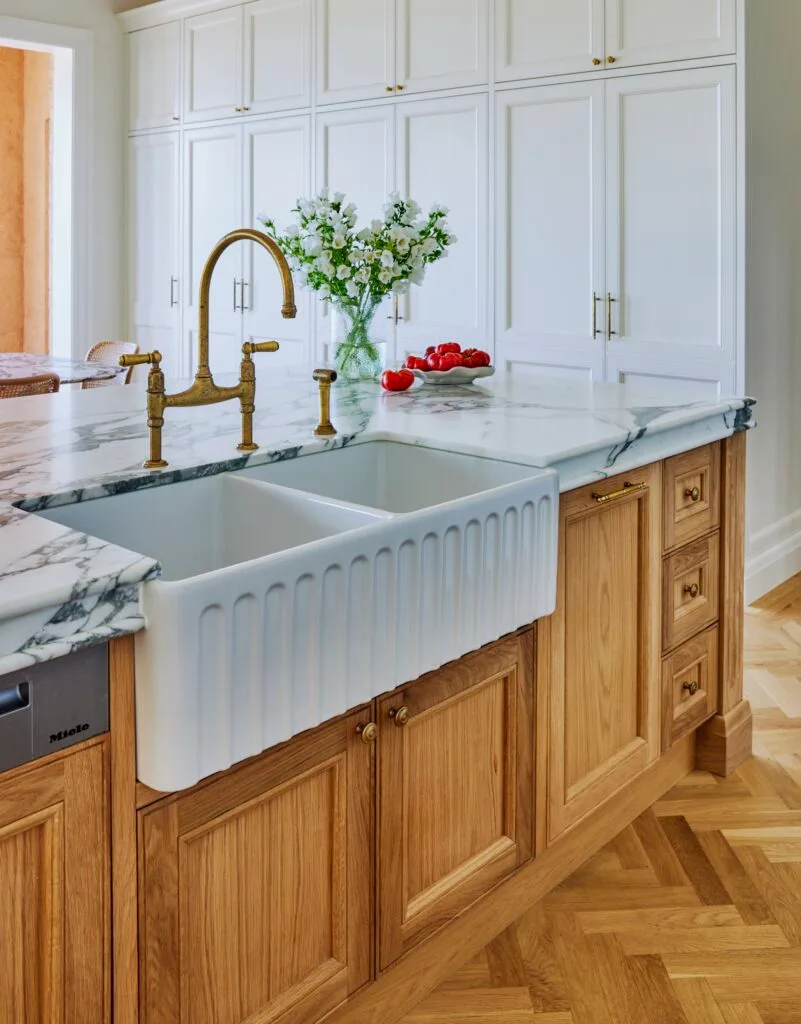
(343, 272)
(376, 227)
(362, 276)
(355, 257)
(429, 246)
(339, 240)
(417, 276)
(385, 276)
(350, 209)
(325, 292)
(403, 245)
(353, 289)
(312, 246)
(387, 259)
(323, 193)
(292, 231)
(364, 235)
(451, 240)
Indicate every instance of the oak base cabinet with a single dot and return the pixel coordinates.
(54, 890)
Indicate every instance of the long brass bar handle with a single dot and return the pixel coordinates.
(609, 302)
(624, 492)
(596, 330)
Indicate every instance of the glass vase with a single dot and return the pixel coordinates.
(356, 355)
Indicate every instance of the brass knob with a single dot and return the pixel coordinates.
(368, 733)
(691, 688)
(238, 110)
(400, 88)
(390, 88)
(692, 589)
(400, 716)
(611, 60)
(325, 378)
(693, 493)
(596, 61)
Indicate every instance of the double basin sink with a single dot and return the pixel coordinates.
(296, 590)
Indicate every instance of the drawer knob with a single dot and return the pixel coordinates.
(368, 732)
(400, 716)
(692, 589)
(693, 493)
(691, 688)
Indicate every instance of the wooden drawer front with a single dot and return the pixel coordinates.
(689, 687)
(690, 591)
(692, 495)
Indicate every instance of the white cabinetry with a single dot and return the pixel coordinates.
(277, 37)
(355, 49)
(154, 83)
(213, 48)
(154, 189)
(650, 31)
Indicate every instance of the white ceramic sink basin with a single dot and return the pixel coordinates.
(280, 608)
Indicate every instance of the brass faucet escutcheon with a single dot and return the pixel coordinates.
(325, 378)
(203, 390)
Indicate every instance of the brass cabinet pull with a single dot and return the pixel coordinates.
(611, 60)
(609, 303)
(692, 589)
(368, 732)
(624, 492)
(390, 88)
(596, 298)
(693, 493)
(596, 61)
(691, 688)
(400, 716)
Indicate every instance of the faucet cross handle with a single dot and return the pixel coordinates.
(142, 359)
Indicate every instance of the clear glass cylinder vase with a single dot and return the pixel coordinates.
(357, 356)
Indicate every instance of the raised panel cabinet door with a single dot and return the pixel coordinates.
(651, 31)
(277, 173)
(442, 44)
(154, 185)
(550, 230)
(213, 78)
(278, 43)
(212, 207)
(154, 82)
(434, 137)
(256, 890)
(355, 49)
(672, 226)
(54, 879)
(456, 790)
(539, 37)
(600, 651)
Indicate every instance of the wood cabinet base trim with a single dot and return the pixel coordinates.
(404, 985)
(724, 742)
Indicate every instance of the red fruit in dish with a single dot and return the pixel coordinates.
(450, 360)
(430, 351)
(482, 358)
(469, 361)
(469, 351)
(448, 347)
(433, 361)
(416, 363)
(397, 380)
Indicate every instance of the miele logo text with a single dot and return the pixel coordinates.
(57, 737)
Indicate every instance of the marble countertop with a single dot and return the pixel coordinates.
(60, 589)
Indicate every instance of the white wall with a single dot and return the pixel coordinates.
(106, 300)
(773, 341)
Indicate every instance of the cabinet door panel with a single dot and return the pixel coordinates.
(54, 875)
(540, 37)
(213, 207)
(550, 227)
(277, 55)
(456, 790)
(602, 645)
(355, 49)
(672, 223)
(154, 219)
(433, 138)
(154, 67)
(277, 173)
(256, 889)
(442, 44)
(213, 65)
(650, 31)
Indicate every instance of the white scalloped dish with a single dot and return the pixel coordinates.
(458, 375)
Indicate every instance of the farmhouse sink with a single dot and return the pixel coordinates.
(295, 591)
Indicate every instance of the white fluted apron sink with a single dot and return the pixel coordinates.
(294, 591)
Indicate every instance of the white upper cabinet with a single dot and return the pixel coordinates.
(442, 154)
(213, 76)
(355, 49)
(277, 173)
(441, 44)
(534, 38)
(650, 31)
(154, 67)
(277, 55)
(550, 229)
(671, 259)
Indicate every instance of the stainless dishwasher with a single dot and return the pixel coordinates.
(53, 705)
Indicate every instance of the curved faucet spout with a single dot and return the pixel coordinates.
(288, 310)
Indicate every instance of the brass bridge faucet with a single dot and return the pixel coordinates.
(203, 390)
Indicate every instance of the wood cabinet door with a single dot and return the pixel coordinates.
(540, 37)
(54, 891)
(455, 784)
(442, 44)
(651, 31)
(599, 654)
(154, 77)
(278, 44)
(355, 50)
(213, 52)
(256, 892)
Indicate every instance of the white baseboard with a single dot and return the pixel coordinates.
(776, 556)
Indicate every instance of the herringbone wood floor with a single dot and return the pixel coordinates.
(693, 914)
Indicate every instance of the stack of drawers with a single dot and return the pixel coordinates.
(690, 591)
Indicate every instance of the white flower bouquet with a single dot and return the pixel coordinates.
(355, 270)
